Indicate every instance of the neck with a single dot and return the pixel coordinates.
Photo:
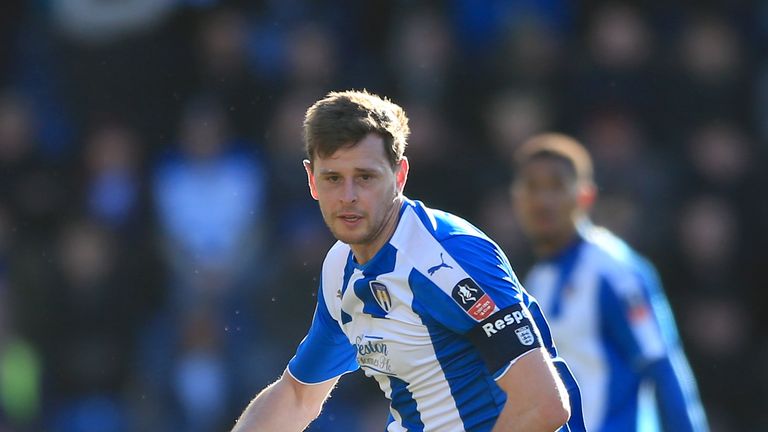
(364, 252)
(548, 247)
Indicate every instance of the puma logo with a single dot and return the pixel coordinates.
(442, 264)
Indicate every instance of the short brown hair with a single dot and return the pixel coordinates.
(342, 119)
(558, 146)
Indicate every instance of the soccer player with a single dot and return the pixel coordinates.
(419, 299)
(604, 302)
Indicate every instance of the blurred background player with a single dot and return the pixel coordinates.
(605, 304)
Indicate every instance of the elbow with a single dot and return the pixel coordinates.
(554, 413)
(558, 415)
(310, 412)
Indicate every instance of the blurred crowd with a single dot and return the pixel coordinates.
(160, 254)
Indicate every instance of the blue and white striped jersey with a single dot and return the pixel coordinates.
(435, 317)
(614, 327)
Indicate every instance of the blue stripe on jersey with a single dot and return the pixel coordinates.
(349, 268)
(658, 300)
(484, 261)
(478, 399)
(383, 263)
(566, 262)
(345, 317)
(325, 352)
(541, 323)
(621, 410)
(405, 405)
(576, 421)
(440, 304)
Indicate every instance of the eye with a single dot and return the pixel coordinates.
(333, 178)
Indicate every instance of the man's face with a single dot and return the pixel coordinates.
(357, 190)
(548, 199)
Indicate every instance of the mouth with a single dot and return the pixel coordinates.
(350, 218)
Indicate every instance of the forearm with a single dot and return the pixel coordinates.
(677, 396)
(277, 408)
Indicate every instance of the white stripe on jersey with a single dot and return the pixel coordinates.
(332, 276)
(577, 336)
(414, 237)
(409, 340)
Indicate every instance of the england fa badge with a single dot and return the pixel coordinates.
(525, 335)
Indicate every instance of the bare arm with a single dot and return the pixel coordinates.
(536, 397)
(285, 406)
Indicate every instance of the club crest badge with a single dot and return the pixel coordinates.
(381, 295)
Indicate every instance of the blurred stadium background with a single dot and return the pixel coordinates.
(159, 253)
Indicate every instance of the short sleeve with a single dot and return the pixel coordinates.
(485, 303)
(325, 352)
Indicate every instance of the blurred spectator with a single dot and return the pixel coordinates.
(210, 197)
(708, 79)
(616, 68)
(95, 22)
(110, 54)
(513, 116)
(200, 381)
(619, 38)
(493, 215)
(436, 148)
(287, 181)
(532, 54)
(20, 362)
(311, 56)
(224, 71)
(509, 117)
(10, 20)
(93, 313)
(633, 180)
(421, 55)
(720, 155)
(113, 183)
(210, 202)
(31, 185)
(716, 321)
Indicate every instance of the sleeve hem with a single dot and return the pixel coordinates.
(497, 376)
(288, 370)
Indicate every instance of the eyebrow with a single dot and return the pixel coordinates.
(328, 171)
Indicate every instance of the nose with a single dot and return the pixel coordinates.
(349, 192)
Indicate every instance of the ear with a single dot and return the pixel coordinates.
(587, 195)
(401, 174)
(310, 178)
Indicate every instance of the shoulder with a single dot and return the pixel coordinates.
(618, 263)
(447, 250)
(422, 228)
(337, 256)
(332, 275)
(441, 224)
(425, 233)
